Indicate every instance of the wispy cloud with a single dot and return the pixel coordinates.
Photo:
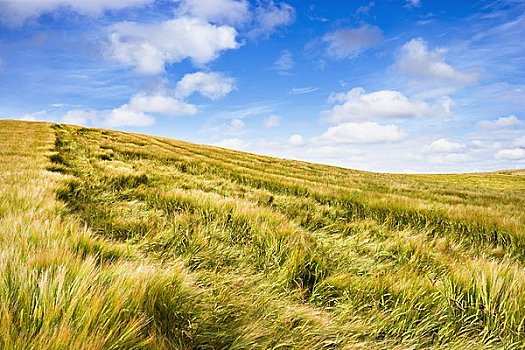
(284, 63)
(303, 90)
(412, 3)
(250, 110)
(365, 9)
(314, 17)
(272, 121)
(416, 61)
(269, 17)
(16, 12)
(350, 42)
(296, 140)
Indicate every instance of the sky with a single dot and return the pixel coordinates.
(412, 86)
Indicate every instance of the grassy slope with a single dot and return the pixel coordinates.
(115, 241)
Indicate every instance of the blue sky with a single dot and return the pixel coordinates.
(394, 85)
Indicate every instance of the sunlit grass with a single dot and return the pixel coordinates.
(116, 241)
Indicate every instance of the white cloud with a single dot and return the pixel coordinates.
(285, 63)
(303, 90)
(35, 116)
(149, 47)
(349, 43)
(231, 12)
(236, 124)
(232, 143)
(412, 3)
(16, 12)
(366, 132)
(211, 85)
(125, 116)
(450, 158)
(268, 17)
(272, 121)
(519, 142)
(248, 110)
(121, 116)
(296, 140)
(80, 117)
(160, 103)
(357, 105)
(501, 122)
(443, 146)
(511, 154)
(415, 60)
(365, 9)
(477, 143)
(40, 116)
(136, 112)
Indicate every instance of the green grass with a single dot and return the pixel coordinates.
(113, 240)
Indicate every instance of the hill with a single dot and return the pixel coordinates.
(113, 240)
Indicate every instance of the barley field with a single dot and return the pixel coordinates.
(112, 240)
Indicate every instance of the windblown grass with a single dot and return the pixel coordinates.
(120, 241)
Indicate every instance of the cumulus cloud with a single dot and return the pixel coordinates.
(366, 132)
(149, 47)
(140, 107)
(136, 112)
(444, 146)
(160, 103)
(501, 122)
(232, 12)
(350, 42)
(357, 105)
(17, 12)
(285, 63)
(511, 154)
(272, 121)
(211, 85)
(268, 17)
(296, 140)
(126, 116)
(415, 60)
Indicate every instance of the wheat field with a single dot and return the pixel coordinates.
(113, 240)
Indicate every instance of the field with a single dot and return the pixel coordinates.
(113, 240)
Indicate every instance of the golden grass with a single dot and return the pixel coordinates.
(113, 240)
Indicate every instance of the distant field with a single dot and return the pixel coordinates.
(113, 240)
